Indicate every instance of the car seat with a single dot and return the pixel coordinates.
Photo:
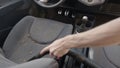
(28, 37)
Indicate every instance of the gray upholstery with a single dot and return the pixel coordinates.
(4, 62)
(108, 57)
(113, 54)
(45, 32)
(40, 63)
(31, 35)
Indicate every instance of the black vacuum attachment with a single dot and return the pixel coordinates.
(79, 57)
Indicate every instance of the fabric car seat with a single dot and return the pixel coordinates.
(107, 57)
(29, 36)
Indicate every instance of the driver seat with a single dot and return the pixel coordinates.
(31, 35)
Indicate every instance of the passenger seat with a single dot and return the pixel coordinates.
(29, 36)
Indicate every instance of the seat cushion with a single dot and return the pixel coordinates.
(46, 31)
(107, 57)
(40, 63)
(113, 55)
(31, 35)
(4, 62)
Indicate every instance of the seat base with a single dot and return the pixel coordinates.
(25, 40)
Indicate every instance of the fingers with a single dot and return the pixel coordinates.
(44, 50)
(57, 55)
(56, 49)
(56, 52)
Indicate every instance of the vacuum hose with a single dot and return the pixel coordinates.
(79, 57)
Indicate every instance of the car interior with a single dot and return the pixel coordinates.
(27, 26)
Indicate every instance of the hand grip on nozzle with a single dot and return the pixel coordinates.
(38, 56)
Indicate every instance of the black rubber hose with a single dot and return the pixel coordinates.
(79, 57)
(82, 59)
(38, 56)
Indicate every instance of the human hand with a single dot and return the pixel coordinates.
(58, 48)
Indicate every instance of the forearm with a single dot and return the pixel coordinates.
(103, 35)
